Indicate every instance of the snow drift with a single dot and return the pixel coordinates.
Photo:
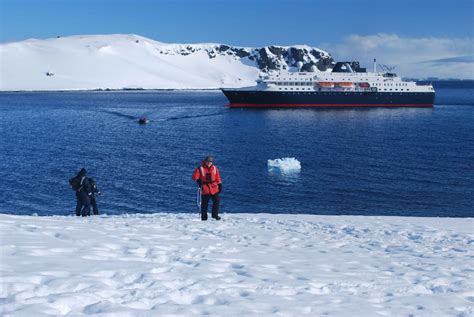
(134, 62)
(244, 265)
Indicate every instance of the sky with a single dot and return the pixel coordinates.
(357, 28)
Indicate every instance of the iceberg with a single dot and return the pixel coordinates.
(286, 165)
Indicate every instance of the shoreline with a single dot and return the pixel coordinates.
(112, 90)
(236, 214)
(444, 83)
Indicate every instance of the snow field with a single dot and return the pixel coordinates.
(244, 265)
(116, 61)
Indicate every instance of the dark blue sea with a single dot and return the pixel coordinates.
(404, 162)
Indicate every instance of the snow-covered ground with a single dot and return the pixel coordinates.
(116, 62)
(127, 61)
(244, 265)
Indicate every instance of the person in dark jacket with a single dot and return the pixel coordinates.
(209, 180)
(95, 191)
(83, 194)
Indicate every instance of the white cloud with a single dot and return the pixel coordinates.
(413, 57)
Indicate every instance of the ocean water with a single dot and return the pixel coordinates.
(410, 162)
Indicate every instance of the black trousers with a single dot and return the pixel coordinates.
(83, 204)
(94, 205)
(215, 205)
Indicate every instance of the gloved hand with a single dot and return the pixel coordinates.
(220, 187)
(199, 182)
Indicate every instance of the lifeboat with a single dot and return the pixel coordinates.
(343, 84)
(364, 85)
(326, 84)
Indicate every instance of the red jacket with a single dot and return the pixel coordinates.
(209, 177)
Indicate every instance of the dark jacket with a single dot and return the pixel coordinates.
(93, 186)
(85, 185)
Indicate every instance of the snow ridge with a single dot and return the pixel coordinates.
(135, 62)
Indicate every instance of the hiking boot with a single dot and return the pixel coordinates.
(217, 218)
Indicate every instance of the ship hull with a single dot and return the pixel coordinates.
(276, 99)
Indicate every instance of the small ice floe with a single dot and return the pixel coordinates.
(284, 165)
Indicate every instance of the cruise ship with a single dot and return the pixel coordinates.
(346, 85)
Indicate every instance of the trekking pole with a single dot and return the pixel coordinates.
(199, 199)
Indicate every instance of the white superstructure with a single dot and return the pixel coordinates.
(344, 78)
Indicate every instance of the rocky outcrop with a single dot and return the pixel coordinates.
(296, 58)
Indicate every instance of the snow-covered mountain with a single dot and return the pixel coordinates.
(132, 61)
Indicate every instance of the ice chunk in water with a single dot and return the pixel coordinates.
(285, 165)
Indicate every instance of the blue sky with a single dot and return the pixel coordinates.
(243, 23)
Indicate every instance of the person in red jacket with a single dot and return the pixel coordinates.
(208, 179)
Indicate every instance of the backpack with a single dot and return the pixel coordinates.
(75, 183)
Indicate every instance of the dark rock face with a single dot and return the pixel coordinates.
(277, 58)
(267, 58)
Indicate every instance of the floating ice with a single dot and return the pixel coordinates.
(285, 165)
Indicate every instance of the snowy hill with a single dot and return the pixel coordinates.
(132, 61)
(244, 265)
